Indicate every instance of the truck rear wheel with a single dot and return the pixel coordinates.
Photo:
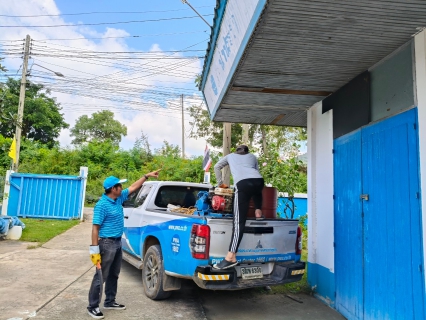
(153, 274)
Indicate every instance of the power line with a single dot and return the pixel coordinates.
(114, 96)
(146, 63)
(94, 12)
(113, 87)
(104, 23)
(116, 92)
(121, 37)
(144, 85)
(169, 71)
(20, 40)
(118, 52)
(123, 57)
(105, 64)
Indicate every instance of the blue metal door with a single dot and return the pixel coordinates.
(378, 250)
(392, 222)
(348, 226)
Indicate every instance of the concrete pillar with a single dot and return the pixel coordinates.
(6, 193)
(84, 171)
(420, 65)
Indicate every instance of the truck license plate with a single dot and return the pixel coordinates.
(251, 273)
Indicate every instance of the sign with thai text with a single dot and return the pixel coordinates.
(236, 28)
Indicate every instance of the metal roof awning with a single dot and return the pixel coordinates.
(269, 61)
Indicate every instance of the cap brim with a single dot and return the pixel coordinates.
(122, 181)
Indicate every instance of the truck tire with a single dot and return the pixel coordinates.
(153, 274)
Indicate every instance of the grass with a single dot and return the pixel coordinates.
(41, 231)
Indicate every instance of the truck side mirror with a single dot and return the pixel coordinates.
(129, 203)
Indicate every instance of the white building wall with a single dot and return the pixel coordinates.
(320, 202)
(420, 63)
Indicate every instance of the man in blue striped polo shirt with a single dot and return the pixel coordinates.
(108, 225)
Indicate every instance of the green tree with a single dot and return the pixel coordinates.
(261, 136)
(198, 80)
(100, 126)
(286, 174)
(2, 68)
(169, 150)
(42, 119)
(104, 158)
(284, 140)
(141, 151)
(212, 132)
(5, 161)
(278, 148)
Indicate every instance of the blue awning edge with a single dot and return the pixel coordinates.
(219, 12)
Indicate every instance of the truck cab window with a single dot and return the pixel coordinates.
(130, 202)
(142, 195)
(177, 195)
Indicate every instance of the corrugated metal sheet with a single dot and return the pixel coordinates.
(317, 45)
(45, 196)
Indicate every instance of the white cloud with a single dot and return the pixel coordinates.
(130, 80)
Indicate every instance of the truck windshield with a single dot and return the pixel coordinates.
(183, 196)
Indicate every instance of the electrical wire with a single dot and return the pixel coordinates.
(119, 52)
(144, 85)
(147, 63)
(121, 37)
(96, 12)
(125, 89)
(104, 23)
(79, 71)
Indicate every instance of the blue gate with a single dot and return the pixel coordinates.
(378, 239)
(45, 196)
(300, 207)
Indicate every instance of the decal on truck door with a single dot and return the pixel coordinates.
(175, 244)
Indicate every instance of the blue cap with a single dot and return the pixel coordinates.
(112, 181)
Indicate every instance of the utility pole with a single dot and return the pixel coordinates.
(183, 129)
(226, 172)
(21, 101)
(246, 128)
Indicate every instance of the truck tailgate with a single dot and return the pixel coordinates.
(263, 241)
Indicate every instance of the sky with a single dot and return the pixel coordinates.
(135, 58)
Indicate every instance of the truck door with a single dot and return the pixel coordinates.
(133, 223)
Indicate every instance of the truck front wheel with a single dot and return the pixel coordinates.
(153, 274)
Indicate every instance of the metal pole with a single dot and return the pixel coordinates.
(56, 73)
(21, 101)
(183, 130)
(186, 2)
(226, 173)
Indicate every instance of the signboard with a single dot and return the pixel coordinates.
(236, 28)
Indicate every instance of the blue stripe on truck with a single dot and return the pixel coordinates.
(259, 259)
(173, 236)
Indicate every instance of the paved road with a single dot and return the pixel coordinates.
(52, 282)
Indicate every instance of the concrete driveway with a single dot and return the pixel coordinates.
(52, 282)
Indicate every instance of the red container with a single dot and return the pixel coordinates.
(269, 204)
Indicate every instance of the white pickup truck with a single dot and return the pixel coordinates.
(169, 246)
